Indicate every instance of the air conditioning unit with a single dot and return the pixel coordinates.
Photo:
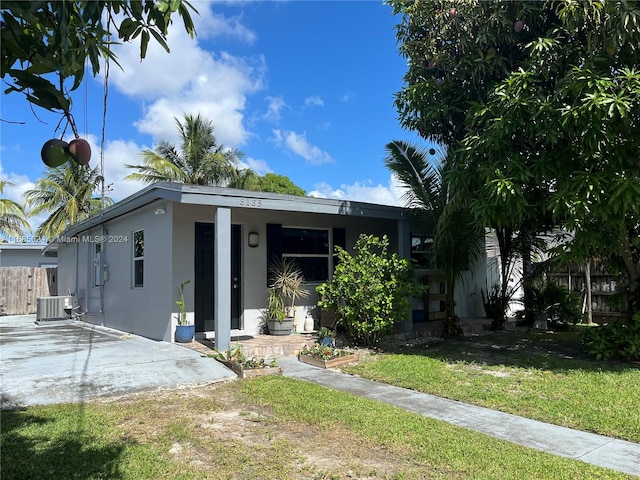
(53, 308)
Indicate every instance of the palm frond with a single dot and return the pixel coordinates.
(67, 194)
(13, 220)
(200, 160)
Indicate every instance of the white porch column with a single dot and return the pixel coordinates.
(222, 279)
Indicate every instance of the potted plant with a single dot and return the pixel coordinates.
(326, 336)
(286, 284)
(185, 330)
(274, 314)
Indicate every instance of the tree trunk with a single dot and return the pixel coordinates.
(527, 271)
(587, 280)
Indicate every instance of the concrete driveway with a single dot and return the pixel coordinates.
(64, 361)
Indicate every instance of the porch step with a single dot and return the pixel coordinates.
(267, 346)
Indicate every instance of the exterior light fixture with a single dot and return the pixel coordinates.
(254, 239)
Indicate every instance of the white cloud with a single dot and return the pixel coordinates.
(362, 192)
(209, 25)
(191, 80)
(116, 155)
(276, 104)
(298, 144)
(313, 101)
(259, 166)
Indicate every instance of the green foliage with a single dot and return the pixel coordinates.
(182, 318)
(67, 194)
(439, 213)
(40, 38)
(324, 352)
(199, 160)
(235, 354)
(543, 117)
(12, 217)
(275, 307)
(272, 182)
(612, 340)
(370, 290)
(556, 301)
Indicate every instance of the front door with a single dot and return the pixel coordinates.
(204, 277)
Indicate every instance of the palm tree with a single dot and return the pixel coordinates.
(244, 179)
(13, 221)
(199, 161)
(439, 214)
(67, 194)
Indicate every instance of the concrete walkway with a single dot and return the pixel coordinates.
(595, 449)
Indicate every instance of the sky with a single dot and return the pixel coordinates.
(304, 89)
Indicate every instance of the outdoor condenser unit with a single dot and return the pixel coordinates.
(53, 308)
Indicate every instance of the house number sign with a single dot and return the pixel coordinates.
(250, 202)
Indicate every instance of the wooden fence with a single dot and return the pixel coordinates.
(20, 286)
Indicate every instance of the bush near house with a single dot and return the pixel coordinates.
(370, 290)
(616, 339)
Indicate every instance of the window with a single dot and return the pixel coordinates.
(421, 251)
(97, 263)
(138, 258)
(310, 249)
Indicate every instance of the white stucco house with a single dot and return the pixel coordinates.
(125, 264)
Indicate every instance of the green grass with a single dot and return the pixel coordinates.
(436, 449)
(71, 441)
(266, 428)
(525, 375)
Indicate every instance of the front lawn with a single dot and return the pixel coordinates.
(266, 428)
(543, 376)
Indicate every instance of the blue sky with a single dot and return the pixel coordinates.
(304, 89)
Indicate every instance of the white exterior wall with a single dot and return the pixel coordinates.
(254, 263)
(117, 304)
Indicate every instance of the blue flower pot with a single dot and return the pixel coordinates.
(185, 333)
(326, 341)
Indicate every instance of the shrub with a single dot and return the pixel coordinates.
(607, 341)
(369, 291)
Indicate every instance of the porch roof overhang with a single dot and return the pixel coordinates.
(230, 198)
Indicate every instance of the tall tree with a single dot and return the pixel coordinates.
(13, 221)
(541, 100)
(66, 193)
(457, 237)
(198, 161)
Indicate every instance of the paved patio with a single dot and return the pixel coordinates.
(66, 361)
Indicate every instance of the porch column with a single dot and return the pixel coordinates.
(404, 251)
(404, 239)
(222, 279)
